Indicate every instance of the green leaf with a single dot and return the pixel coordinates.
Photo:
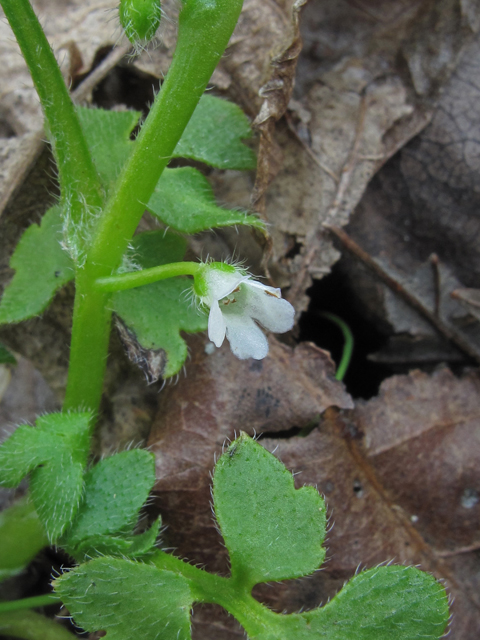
(55, 454)
(144, 542)
(398, 603)
(115, 490)
(126, 546)
(155, 314)
(127, 599)
(183, 200)
(41, 268)
(271, 530)
(214, 136)
(22, 537)
(108, 136)
(5, 356)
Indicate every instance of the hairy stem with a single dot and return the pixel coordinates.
(147, 276)
(79, 181)
(231, 594)
(205, 27)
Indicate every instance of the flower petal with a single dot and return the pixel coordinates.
(273, 291)
(274, 313)
(246, 339)
(216, 325)
(221, 284)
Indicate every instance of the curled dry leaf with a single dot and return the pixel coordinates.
(276, 93)
(355, 107)
(424, 201)
(422, 442)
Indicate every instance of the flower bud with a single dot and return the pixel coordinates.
(140, 19)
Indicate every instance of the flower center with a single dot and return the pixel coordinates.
(230, 299)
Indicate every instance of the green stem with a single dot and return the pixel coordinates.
(29, 603)
(254, 617)
(348, 344)
(92, 319)
(205, 27)
(81, 193)
(79, 181)
(146, 276)
(32, 626)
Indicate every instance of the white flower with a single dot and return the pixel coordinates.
(236, 303)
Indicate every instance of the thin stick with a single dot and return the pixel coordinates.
(83, 91)
(444, 328)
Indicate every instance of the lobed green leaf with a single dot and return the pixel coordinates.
(214, 135)
(183, 200)
(127, 599)
(271, 530)
(394, 602)
(115, 545)
(55, 454)
(108, 136)
(156, 314)
(41, 268)
(115, 490)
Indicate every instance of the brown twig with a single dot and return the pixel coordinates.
(435, 262)
(83, 91)
(456, 552)
(443, 327)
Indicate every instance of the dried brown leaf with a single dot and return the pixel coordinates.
(425, 201)
(357, 107)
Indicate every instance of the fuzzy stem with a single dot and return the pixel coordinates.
(146, 276)
(79, 182)
(80, 189)
(231, 594)
(92, 319)
(205, 27)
